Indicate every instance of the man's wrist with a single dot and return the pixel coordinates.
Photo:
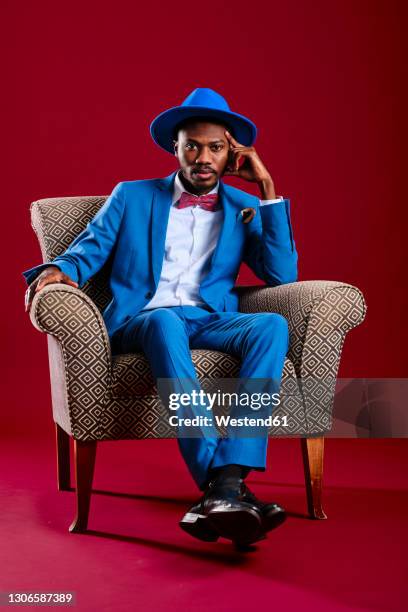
(267, 189)
(52, 268)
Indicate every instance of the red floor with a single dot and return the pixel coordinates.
(136, 557)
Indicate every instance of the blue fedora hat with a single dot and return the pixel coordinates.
(201, 102)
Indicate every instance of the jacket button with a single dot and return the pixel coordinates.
(149, 294)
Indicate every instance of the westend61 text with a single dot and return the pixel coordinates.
(196, 398)
(228, 421)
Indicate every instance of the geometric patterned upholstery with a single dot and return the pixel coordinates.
(99, 397)
(319, 313)
(131, 375)
(56, 222)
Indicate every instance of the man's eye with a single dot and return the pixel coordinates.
(189, 144)
(217, 147)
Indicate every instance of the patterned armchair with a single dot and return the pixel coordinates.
(97, 396)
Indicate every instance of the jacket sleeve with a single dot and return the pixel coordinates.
(86, 255)
(270, 249)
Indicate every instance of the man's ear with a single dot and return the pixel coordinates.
(175, 145)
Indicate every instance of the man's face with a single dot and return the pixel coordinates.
(202, 150)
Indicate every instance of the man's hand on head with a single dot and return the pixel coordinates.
(252, 169)
(51, 274)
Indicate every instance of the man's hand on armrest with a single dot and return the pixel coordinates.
(51, 274)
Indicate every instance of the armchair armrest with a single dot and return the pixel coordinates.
(79, 357)
(319, 315)
(326, 307)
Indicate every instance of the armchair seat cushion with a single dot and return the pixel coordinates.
(131, 374)
(134, 408)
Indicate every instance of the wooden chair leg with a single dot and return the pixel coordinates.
(312, 451)
(84, 453)
(63, 467)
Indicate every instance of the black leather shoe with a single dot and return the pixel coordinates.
(222, 512)
(198, 525)
(229, 514)
(272, 514)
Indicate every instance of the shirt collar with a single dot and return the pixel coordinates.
(179, 188)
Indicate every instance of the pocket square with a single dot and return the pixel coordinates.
(248, 214)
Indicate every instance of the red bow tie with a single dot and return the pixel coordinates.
(207, 202)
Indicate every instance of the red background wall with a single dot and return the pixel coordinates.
(323, 82)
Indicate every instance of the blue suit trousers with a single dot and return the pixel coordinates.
(166, 335)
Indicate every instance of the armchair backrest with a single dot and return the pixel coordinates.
(57, 222)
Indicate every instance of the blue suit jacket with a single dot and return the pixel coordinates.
(131, 228)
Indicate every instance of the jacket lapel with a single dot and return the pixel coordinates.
(231, 215)
(161, 204)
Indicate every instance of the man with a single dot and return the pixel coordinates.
(177, 245)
